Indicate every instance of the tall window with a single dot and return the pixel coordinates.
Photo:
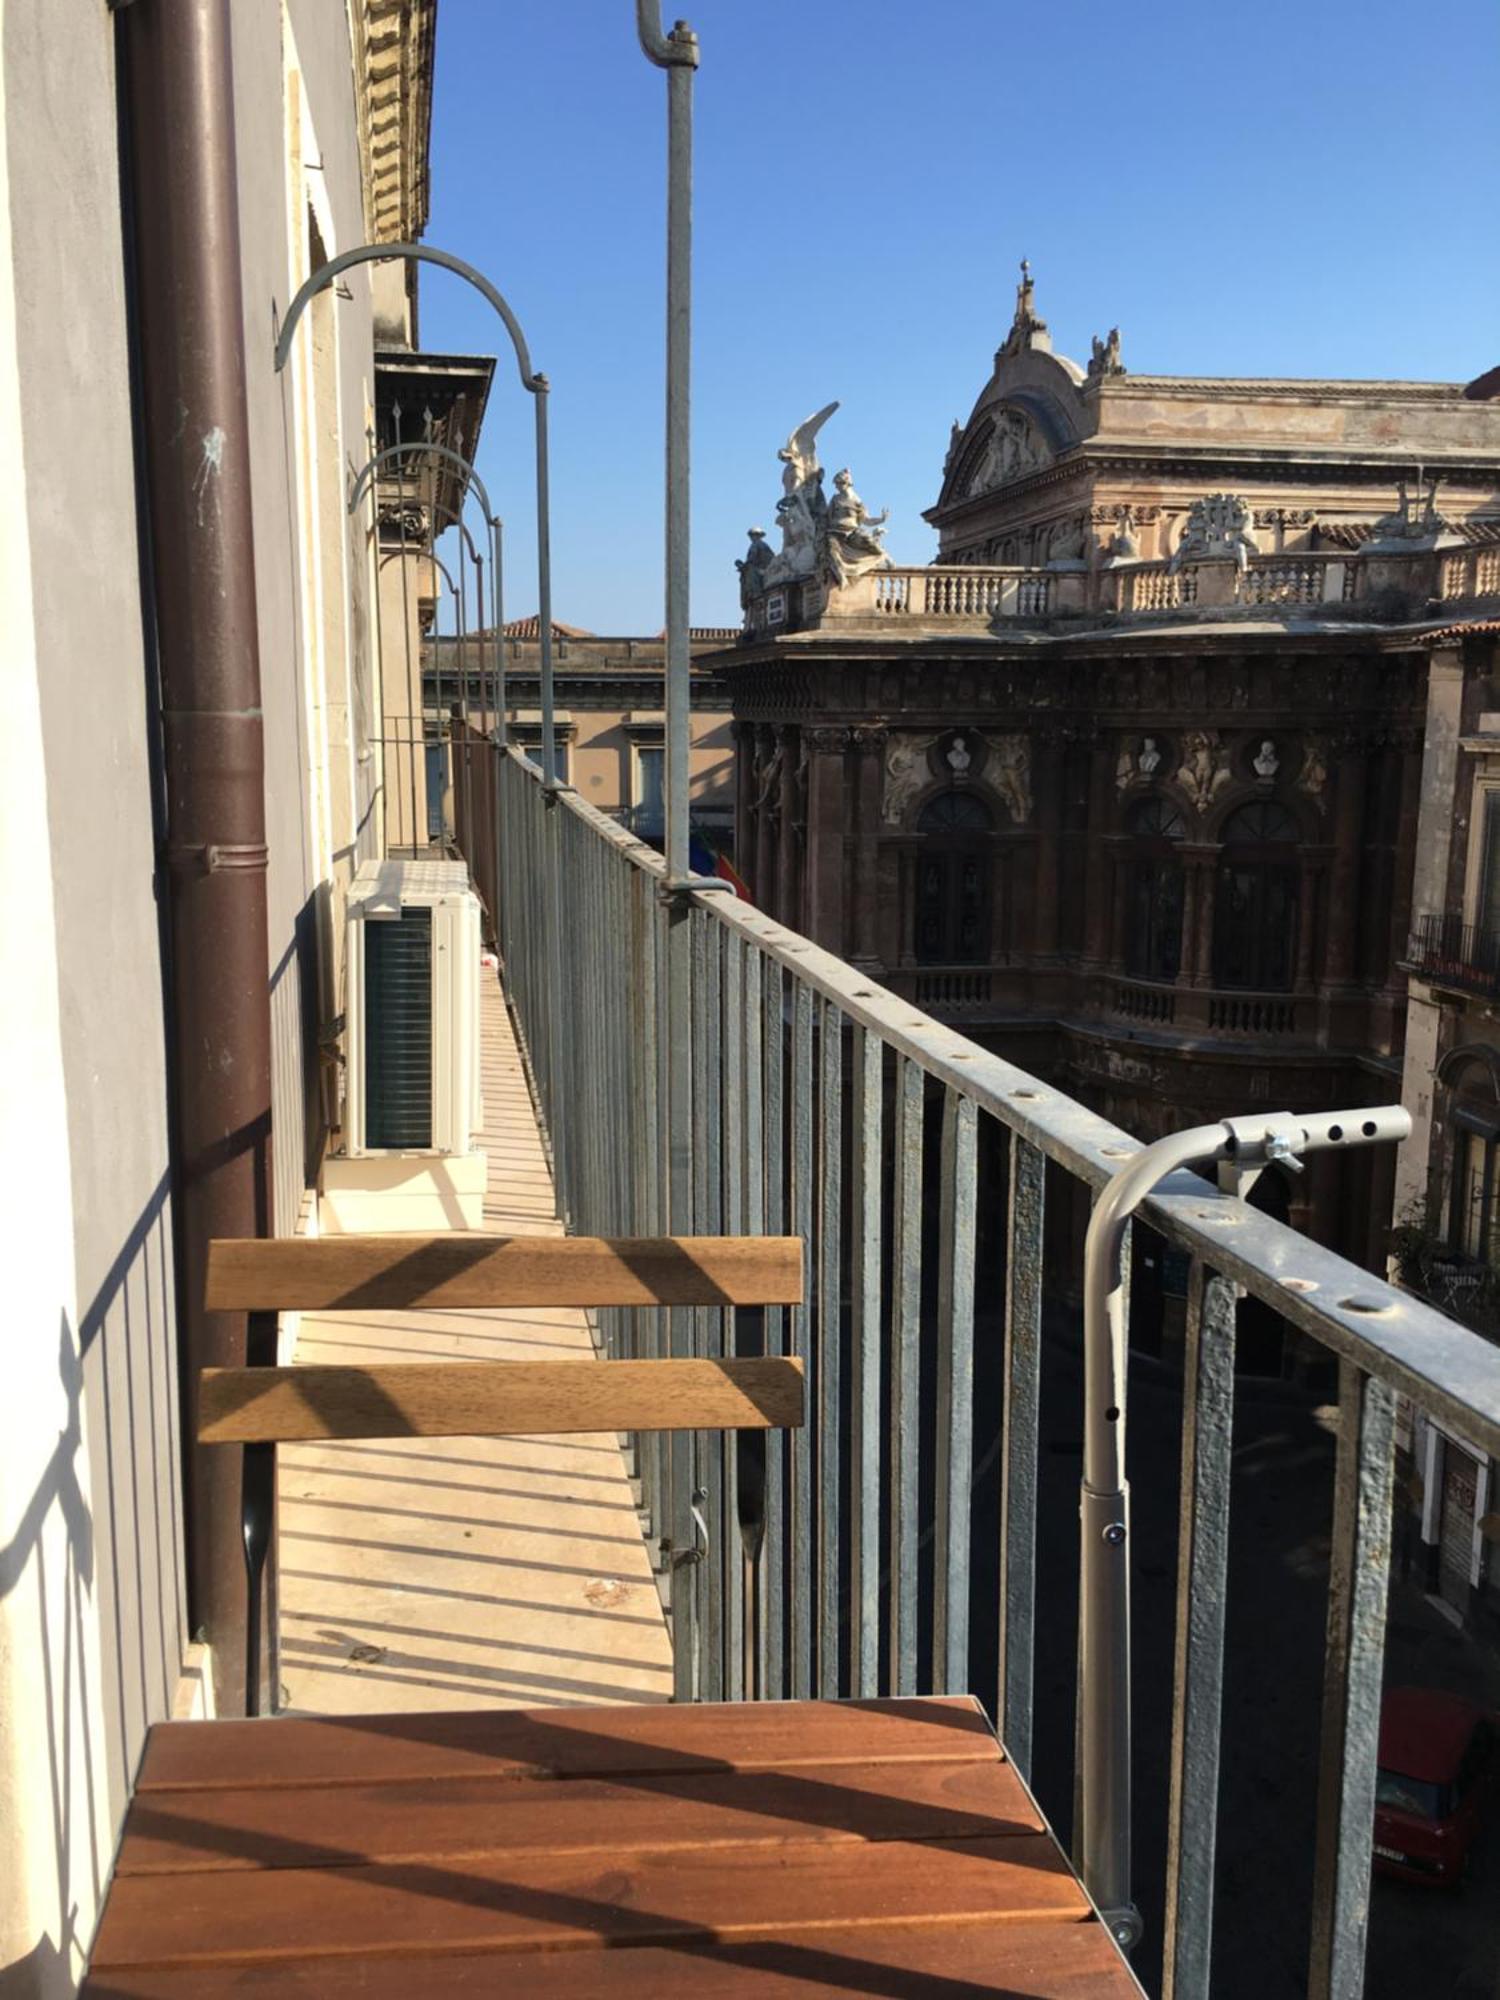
(1487, 902)
(1474, 1221)
(650, 807)
(1153, 934)
(953, 881)
(1255, 899)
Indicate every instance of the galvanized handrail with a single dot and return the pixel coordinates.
(810, 1087)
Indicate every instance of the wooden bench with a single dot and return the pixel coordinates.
(776, 1850)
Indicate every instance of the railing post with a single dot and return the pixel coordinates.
(1202, 1577)
(1359, 1575)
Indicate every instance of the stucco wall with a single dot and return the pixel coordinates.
(93, 1622)
(91, 1580)
(298, 157)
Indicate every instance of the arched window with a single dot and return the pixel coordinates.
(1255, 899)
(1153, 930)
(953, 881)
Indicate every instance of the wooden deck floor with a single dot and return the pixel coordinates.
(465, 1573)
(770, 1852)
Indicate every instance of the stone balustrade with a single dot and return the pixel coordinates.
(963, 593)
(983, 598)
(1472, 572)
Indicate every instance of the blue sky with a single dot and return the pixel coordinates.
(1274, 189)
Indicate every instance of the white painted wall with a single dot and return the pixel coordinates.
(56, 1829)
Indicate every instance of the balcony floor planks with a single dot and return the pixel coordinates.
(772, 1849)
(1049, 1961)
(549, 1902)
(561, 1742)
(345, 1825)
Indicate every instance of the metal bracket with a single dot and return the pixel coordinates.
(1124, 1925)
(694, 885)
(214, 857)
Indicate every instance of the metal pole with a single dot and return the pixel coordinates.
(497, 594)
(677, 54)
(1246, 1145)
(544, 588)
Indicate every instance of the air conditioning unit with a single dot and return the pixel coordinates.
(412, 1103)
(412, 1009)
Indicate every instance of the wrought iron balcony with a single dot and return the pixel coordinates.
(1448, 952)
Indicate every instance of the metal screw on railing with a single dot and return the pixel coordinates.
(1242, 1148)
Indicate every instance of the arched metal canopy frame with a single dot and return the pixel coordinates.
(492, 687)
(364, 478)
(466, 466)
(534, 383)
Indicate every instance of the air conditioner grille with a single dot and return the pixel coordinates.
(398, 1030)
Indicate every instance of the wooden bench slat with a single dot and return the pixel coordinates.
(474, 1272)
(1045, 1961)
(257, 1827)
(633, 1739)
(528, 1903)
(496, 1399)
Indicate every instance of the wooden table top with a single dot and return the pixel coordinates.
(776, 1849)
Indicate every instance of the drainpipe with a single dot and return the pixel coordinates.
(193, 427)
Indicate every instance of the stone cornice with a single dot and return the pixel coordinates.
(1273, 388)
(393, 64)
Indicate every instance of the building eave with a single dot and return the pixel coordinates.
(393, 68)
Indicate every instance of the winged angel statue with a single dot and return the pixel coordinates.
(841, 536)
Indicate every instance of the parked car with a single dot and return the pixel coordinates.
(1437, 1783)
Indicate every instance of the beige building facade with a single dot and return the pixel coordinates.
(609, 715)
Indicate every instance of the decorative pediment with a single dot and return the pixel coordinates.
(1006, 448)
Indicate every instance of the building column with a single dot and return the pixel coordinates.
(1343, 879)
(823, 873)
(1402, 909)
(1192, 898)
(1201, 945)
(1046, 792)
(1418, 1162)
(767, 778)
(1100, 881)
(1308, 890)
(869, 748)
(1113, 876)
(743, 736)
(788, 863)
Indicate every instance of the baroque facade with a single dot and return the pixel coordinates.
(1447, 1235)
(1127, 782)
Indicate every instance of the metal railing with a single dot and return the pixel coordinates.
(1450, 952)
(826, 1106)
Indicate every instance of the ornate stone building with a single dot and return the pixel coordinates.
(1447, 1238)
(1139, 812)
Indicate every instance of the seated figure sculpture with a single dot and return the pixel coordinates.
(853, 532)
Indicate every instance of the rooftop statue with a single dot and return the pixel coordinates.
(802, 508)
(757, 560)
(853, 532)
(1406, 524)
(1027, 329)
(1105, 359)
(1217, 530)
